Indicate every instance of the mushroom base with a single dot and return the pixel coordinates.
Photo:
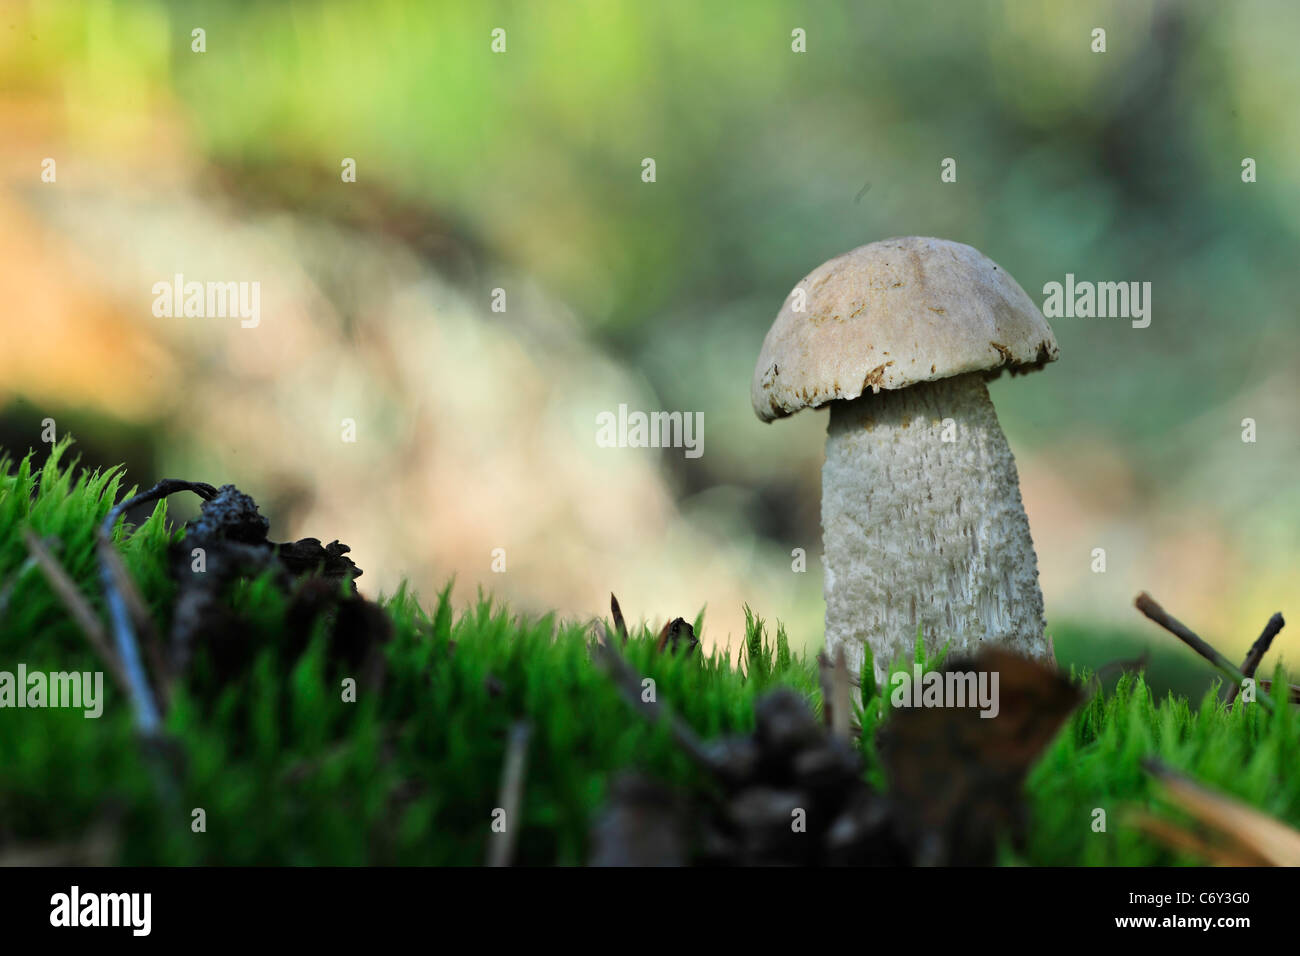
(923, 526)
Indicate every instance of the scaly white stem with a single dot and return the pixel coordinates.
(923, 526)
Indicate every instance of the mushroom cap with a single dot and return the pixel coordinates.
(894, 313)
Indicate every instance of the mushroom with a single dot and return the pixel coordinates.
(922, 521)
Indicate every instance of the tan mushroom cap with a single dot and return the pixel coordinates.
(894, 313)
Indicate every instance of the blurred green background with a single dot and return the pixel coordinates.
(522, 171)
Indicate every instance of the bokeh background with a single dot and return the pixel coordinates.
(522, 171)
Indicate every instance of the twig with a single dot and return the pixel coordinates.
(1099, 676)
(1293, 690)
(7, 592)
(630, 685)
(128, 651)
(112, 562)
(617, 611)
(824, 678)
(76, 605)
(501, 849)
(1138, 663)
(1147, 605)
(837, 706)
(1258, 650)
(842, 713)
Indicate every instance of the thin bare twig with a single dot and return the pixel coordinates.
(78, 608)
(1100, 675)
(501, 849)
(140, 616)
(128, 651)
(1258, 650)
(824, 679)
(1293, 690)
(626, 680)
(837, 705)
(842, 715)
(7, 592)
(1148, 606)
(617, 611)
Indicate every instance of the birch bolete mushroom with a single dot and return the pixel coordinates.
(922, 521)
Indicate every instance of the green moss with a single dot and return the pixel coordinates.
(288, 773)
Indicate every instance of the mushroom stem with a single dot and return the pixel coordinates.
(923, 526)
